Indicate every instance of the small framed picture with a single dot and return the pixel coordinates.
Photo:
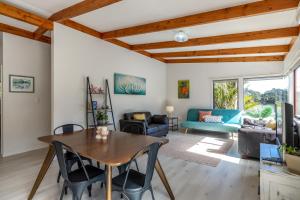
(21, 84)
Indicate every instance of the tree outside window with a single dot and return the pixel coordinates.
(225, 94)
(260, 96)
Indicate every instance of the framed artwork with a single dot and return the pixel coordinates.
(21, 84)
(184, 89)
(127, 84)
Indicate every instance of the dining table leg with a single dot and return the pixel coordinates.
(46, 164)
(163, 178)
(108, 182)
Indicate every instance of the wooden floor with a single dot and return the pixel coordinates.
(236, 180)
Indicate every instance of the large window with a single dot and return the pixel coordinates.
(261, 94)
(225, 94)
(297, 91)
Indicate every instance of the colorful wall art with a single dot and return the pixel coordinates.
(183, 89)
(127, 84)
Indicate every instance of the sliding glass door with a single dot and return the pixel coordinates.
(260, 95)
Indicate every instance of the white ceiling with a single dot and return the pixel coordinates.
(129, 13)
(248, 24)
(42, 7)
(135, 12)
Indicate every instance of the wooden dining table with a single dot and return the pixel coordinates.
(114, 151)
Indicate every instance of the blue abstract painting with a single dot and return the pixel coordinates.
(127, 84)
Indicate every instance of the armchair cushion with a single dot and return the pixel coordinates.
(159, 119)
(133, 125)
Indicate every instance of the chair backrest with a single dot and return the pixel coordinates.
(67, 128)
(152, 151)
(59, 150)
(152, 156)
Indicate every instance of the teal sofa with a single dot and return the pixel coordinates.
(231, 121)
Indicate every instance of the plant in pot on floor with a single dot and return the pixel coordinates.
(291, 156)
(102, 118)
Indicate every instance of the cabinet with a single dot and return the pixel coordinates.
(276, 182)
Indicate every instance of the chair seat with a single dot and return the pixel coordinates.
(135, 180)
(78, 175)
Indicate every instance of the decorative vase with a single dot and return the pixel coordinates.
(102, 132)
(293, 163)
(101, 122)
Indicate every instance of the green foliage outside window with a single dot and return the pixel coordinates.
(225, 94)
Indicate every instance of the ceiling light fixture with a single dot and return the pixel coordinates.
(181, 36)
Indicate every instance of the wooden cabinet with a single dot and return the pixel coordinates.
(277, 183)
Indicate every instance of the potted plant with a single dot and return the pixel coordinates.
(291, 155)
(102, 118)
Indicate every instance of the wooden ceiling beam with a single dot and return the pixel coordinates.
(81, 28)
(81, 8)
(97, 34)
(238, 37)
(227, 59)
(76, 10)
(22, 15)
(232, 51)
(256, 8)
(293, 40)
(23, 33)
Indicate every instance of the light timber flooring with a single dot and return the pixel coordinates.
(236, 180)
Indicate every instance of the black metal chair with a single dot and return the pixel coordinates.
(77, 180)
(135, 129)
(71, 159)
(134, 184)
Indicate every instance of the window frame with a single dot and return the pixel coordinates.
(258, 78)
(238, 90)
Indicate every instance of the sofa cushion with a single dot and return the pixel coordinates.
(129, 116)
(159, 119)
(218, 127)
(157, 127)
(152, 128)
(213, 119)
(139, 117)
(202, 115)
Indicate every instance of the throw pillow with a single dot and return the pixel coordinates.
(271, 124)
(139, 117)
(213, 119)
(202, 114)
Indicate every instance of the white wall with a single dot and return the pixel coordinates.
(292, 59)
(1, 118)
(26, 116)
(202, 75)
(77, 55)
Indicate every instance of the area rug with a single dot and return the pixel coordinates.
(195, 148)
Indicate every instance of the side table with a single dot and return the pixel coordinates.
(173, 123)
